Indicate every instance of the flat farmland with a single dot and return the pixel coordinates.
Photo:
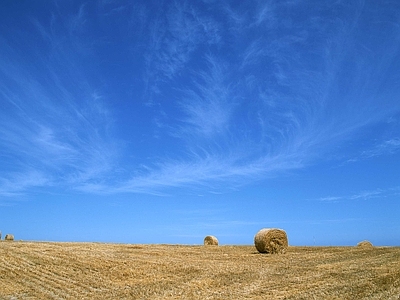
(45, 270)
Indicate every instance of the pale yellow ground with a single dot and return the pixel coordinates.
(33, 270)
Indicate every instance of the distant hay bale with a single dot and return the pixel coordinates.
(9, 237)
(271, 240)
(365, 244)
(210, 240)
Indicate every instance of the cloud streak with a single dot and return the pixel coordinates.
(174, 37)
(208, 106)
(233, 94)
(387, 147)
(54, 128)
(363, 195)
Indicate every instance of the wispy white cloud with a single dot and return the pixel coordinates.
(383, 148)
(287, 88)
(209, 106)
(77, 21)
(265, 13)
(330, 199)
(16, 184)
(363, 195)
(211, 171)
(174, 37)
(387, 147)
(54, 128)
(66, 151)
(251, 91)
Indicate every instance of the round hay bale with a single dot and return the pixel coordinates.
(365, 244)
(210, 240)
(271, 240)
(9, 237)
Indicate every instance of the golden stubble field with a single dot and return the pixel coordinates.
(44, 270)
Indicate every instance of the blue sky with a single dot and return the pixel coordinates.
(166, 121)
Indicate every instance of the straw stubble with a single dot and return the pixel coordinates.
(271, 240)
(210, 240)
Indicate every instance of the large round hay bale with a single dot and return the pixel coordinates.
(271, 240)
(9, 237)
(365, 244)
(210, 240)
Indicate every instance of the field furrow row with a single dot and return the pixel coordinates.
(107, 271)
(33, 285)
(45, 281)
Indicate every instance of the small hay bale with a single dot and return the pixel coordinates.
(210, 240)
(365, 244)
(271, 240)
(9, 237)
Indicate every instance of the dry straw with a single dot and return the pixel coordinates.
(9, 237)
(271, 240)
(210, 240)
(365, 244)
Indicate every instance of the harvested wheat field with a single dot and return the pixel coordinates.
(42, 270)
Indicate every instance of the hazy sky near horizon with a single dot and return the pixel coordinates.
(165, 121)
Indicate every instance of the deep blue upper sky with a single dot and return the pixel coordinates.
(166, 121)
